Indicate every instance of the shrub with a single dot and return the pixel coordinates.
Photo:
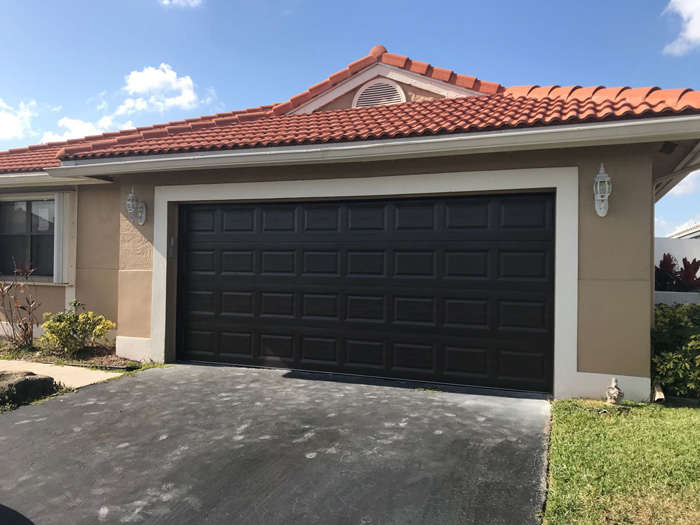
(71, 331)
(674, 326)
(675, 343)
(679, 371)
(18, 307)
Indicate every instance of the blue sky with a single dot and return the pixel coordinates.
(76, 67)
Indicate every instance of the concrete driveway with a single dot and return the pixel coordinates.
(200, 444)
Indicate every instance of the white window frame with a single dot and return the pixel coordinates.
(65, 227)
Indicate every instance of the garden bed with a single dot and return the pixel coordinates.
(93, 356)
(634, 463)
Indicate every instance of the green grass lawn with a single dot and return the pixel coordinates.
(638, 464)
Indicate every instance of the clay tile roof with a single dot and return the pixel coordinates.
(494, 107)
(551, 106)
(38, 157)
(380, 54)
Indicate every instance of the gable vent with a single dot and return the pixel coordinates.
(379, 93)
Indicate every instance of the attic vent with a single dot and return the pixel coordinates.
(379, 93)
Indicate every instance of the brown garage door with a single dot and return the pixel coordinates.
(454, 290)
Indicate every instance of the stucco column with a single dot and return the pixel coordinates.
(135, 275)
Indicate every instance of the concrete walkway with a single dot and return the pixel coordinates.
(69, 376)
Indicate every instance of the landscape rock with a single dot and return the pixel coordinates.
(19, 387)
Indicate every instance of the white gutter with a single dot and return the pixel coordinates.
(579, 135)
(40, 178)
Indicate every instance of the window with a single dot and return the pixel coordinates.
(34, 229)
(27, 235)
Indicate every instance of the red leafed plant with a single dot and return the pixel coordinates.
(688, 276)
(670, 278)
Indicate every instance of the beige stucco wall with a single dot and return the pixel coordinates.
(97, 260)
(614, 252)
(50, 298)
(413, 94)
(135, 262)
(615, 273)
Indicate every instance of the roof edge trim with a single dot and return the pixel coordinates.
(41, 179)
(565, 136)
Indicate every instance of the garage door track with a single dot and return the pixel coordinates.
(203, 444)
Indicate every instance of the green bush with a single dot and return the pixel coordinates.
(675, 343)
(679, 372)
(71, 331)
(674, 326)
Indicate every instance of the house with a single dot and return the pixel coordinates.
(396, 219)
(691, 232)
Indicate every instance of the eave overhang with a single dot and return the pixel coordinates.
(542, 138)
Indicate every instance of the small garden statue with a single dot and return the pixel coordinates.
(614, 394)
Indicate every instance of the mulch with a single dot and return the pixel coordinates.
(97, 356)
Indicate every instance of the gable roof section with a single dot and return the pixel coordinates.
(379, 54)
(498, 107)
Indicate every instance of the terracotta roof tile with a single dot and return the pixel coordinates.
(40, 156)
(433, 117)
(689, 99)
(394, 60)
(441, 74)
(465, 81)
(497, 108)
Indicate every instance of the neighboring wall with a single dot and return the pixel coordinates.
(615, 259)
(679, 248)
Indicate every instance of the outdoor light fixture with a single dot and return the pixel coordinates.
(136, 208)
(602, 188)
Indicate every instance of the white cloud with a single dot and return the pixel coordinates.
(688, 186)
(181, 3)
(158, 89)
(689, 37)
(151, 89)
(664, 228)
(15, 122)
(76, 128)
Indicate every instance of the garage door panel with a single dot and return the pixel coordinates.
(321, 284)
(316, 261)
(525, 315)
(319, 350)
(368, 236)
(456, 290)
(467, 360)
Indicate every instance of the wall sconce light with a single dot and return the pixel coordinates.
(136, 208)
(602, 188)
